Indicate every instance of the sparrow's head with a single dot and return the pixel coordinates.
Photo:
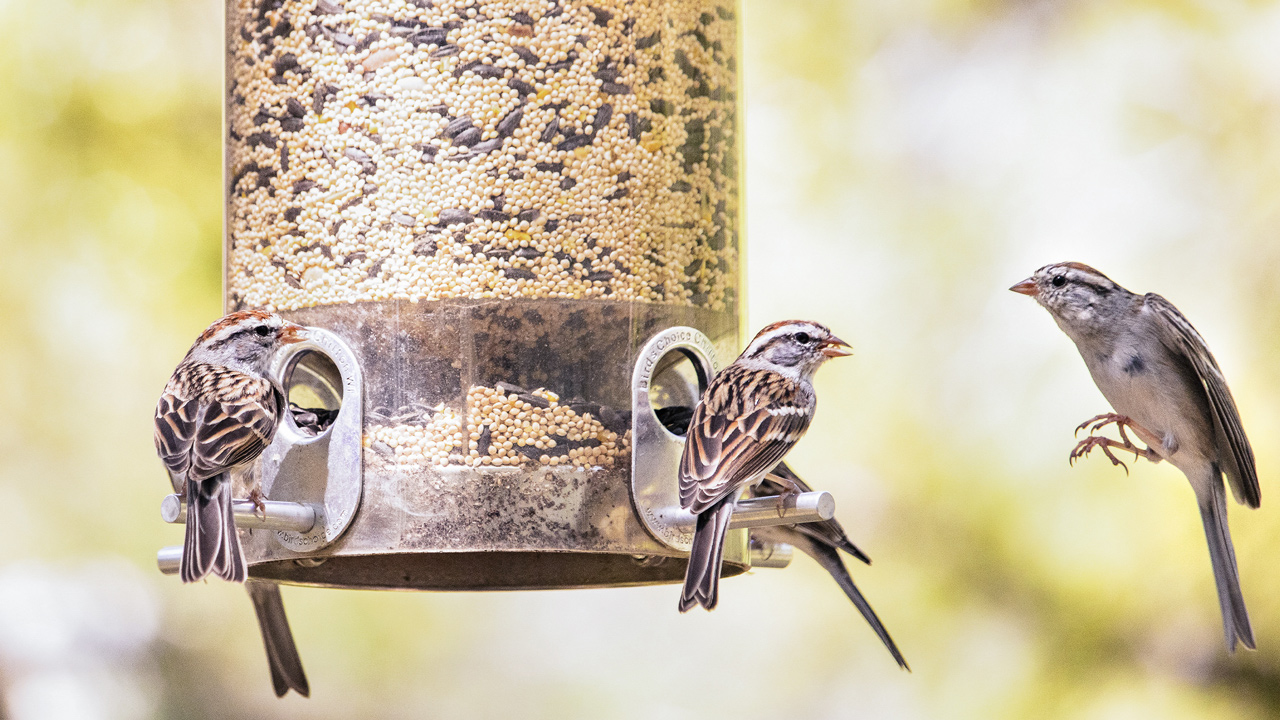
(795, 347)
(245, 340)
(1077, 296)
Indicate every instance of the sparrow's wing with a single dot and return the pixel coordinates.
(175, 428)
(207, 426)
(747, 420)
(826, 532)
(1235, 454)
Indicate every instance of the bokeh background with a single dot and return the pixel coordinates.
(907, 160)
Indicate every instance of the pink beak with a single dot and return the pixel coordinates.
(1027, 287)
(834, 347)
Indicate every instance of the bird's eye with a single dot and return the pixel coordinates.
(1058, 281)
(262, 330)
(803, 338)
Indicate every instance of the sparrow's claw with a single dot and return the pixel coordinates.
(1101, 421)
(1125, 443)
(255, 497)
(789, 496)
(1084, 446)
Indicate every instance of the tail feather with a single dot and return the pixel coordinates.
(282, 654)
(1235, 618)
(829, 559)
(211, 544)
(702, 577)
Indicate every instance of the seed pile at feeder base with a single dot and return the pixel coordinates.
(507, 426)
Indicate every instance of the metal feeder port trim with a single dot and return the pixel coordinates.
(672, 371)
(324, 470)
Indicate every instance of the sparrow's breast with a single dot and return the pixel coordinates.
(1155, 395)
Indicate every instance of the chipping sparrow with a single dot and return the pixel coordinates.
(277, 638)
(751, 414)
(216, 415)
(1163, 382)
(820, 541)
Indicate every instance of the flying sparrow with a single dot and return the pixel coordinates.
(820, 541)
(751, 414)
(277, 638)
(1162, 381)
(216, 415)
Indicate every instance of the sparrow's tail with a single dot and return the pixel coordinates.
(282, 654)
(702, 577)
(1235, 619)
(829, 559)
(211, 543)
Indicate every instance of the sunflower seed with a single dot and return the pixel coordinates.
(429, 36)
(455, 216)
(525, 54)
(508, 124)
(645, 43)
(467, 137)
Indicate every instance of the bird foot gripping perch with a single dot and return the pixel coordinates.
(275, 515)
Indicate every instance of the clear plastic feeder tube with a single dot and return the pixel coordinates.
(495, 205)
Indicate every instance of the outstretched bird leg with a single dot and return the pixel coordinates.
(1125, 443)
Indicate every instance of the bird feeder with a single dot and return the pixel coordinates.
(514, 233)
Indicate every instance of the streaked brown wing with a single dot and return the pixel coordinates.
(233, 433)
(175, 429)
(1236, 456)
(227, 420)
(724, 449)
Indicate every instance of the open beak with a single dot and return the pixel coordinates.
(834, 347)
(291, 334)
(1026, 287)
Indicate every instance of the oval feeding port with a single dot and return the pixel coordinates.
(313, 387)
(675, 387)
(671, 372)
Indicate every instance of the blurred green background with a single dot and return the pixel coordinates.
(907, 160)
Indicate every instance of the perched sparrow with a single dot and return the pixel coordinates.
(749, 417)
(1164, 384)
(277, 638)
(820, 541)
(217, 414)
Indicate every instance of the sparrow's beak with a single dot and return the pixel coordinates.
(1026, 287)
(834, 347)
(290, 334)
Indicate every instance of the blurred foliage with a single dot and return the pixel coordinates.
(906, 162)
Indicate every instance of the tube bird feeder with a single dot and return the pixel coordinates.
(514, 229)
